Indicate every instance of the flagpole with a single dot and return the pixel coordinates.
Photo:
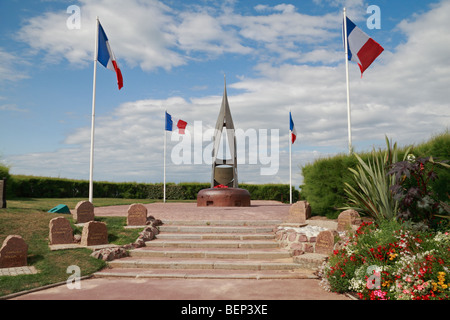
(348, 85)
(91, 165)
(165, 138)
(290, 166)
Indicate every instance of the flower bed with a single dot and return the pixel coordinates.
(389, 261)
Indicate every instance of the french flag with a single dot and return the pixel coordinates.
(106, 57)
(173, 124)
(292, 129)
(362, 49)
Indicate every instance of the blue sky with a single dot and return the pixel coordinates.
(277, 56)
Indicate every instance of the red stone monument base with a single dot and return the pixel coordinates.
(223, 197)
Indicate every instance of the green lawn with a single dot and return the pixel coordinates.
(29, 218)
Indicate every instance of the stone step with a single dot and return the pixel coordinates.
(216, 236)
(310, 260)
(212, 264)
(215, 229)
(210, 253)
(254, 244)
(205, 274)
(212, 250)
(243, 223)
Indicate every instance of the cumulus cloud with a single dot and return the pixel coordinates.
(404, 95)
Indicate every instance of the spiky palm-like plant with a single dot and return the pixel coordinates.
(372, 194)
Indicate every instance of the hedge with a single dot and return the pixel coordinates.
(323, 180)
(19, 186)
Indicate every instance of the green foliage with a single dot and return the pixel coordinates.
(372, 194)
(42, 187)
(418, 201)
(324, 179)
(439, 148)
(4, 171)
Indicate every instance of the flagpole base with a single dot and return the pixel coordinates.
(223, 197)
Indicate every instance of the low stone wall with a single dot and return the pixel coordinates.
(296, 240)
(315, 235)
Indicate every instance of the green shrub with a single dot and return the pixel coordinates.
(437, 147)
(324, 179)
(43, 187)
(323, 184)
(4, 171)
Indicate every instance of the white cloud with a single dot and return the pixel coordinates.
(403, 95)
(10, 67)
(137, 33)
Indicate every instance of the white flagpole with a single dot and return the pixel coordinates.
(348, 86)
(91, 166)
(165, 138)
(290, 162)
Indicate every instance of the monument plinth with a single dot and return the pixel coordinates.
(223, 197)
(224, 191)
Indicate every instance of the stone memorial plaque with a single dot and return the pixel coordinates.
(60, 231)
(324, 242)
(94, 233)
(347, 219)
(13, 252)
(299, 212)
(137, 215)
(84, 212)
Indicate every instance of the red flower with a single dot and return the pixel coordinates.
(221, 186)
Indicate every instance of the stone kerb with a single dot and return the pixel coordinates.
(84, 212)
(348, 219)
(299, 212)
(60, 231)
(13, 252)
(94, 233)
(137, 215)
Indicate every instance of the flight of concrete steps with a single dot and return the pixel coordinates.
(212, 250)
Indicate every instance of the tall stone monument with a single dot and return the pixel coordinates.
(224, 191)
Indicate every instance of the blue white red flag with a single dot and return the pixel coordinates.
(292, 129)
(173, 124)
(362, 49)
(106, 56)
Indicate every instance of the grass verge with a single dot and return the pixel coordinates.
(29, 218)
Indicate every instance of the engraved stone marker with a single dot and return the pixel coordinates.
(13, 252)
(94, 233)
(60, 231)
(324, 242)
(137, 215)
(84, 212)
(299, 212)
(347, 219)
